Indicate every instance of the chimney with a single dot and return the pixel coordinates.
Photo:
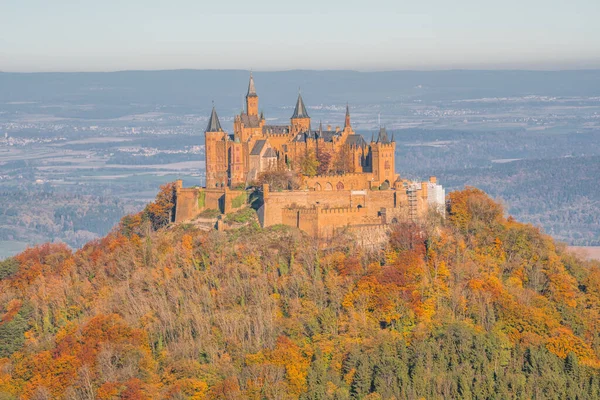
(337, 129)
(328, 127)
(432, 179)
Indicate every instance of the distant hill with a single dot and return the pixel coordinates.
(476, 306)
(196, 89)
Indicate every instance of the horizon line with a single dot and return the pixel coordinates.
(583, 69)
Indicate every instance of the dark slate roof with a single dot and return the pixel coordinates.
(251, 88)
(258, 146)
(327, 136)
(300, 110)
(356, 140)
(383, 137)
(250, 121)
(269, 153)
(301, 137)
(213, 123)
(274, 129)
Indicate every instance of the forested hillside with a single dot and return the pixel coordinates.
(474, 307)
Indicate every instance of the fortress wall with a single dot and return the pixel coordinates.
(305, 219)
(370, 201)
(323, 222)
(353, 181)
(378, 199)
(187, 204)
(213, 199)
(275, 202)
(370, 236)
(188, 201)
(331, 219)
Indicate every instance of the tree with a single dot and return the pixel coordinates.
(161, 211)
(324, 159)
(309, 164)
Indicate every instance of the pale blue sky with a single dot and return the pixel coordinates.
(106, 35)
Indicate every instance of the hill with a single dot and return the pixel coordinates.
(476, 306)
(115, 94)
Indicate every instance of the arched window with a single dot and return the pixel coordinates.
(339, 186)
(328, 186)
(318, 186)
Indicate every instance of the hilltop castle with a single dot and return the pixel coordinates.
(343, 180)
(255, 147)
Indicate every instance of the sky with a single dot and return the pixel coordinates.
(365, 35)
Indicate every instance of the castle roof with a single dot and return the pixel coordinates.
(258, 146)
(356, 140)
(300, 110)
(213, 123)
(383, 137)
(275, 129)
(327, 136)
(251, 88)
(270, 153)
(250, 121)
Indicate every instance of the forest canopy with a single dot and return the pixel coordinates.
(474, 306)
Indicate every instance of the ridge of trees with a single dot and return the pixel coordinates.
(476, 306)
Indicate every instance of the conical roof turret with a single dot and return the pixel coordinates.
(213, 123)
(300, 110)
(251, 88)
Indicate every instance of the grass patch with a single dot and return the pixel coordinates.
(239, 201)
(241, 216)
(209, 213)
(201, 199)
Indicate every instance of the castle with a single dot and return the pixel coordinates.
(336, 178)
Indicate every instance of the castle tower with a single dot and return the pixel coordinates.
(251, 98)
(236, 163)
(300, 119)
(215, 140)
(383, 158)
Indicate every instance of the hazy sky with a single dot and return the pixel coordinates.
(105, 35)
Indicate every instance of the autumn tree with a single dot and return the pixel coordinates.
(308, 163)
(324, 160)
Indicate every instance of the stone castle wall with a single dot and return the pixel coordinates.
(321, 213)
(352, 181)
(192, 201)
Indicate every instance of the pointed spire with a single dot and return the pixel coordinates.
(393, 140)
(382, 137)
(262, 115)
(300, 110)
(251, 88)
(347, 122)
(213, 123)
(372, 138)
(320, 128)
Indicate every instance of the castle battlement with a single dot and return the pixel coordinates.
(342, 210)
